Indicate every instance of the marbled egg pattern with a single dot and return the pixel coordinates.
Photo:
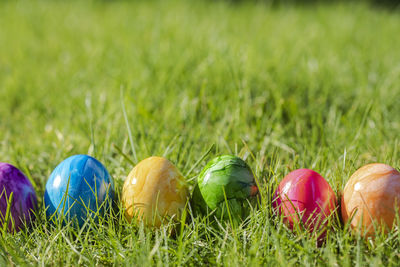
(372, 195)
(24, 196)
(86, 182)
(304, 195)
(153, 190)
(226, 180)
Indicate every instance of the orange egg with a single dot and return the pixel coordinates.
(154, 191)
(371, 198)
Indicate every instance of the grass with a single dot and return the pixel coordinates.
(284, 87)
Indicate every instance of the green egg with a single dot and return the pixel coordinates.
(197, 202)
(225, 182)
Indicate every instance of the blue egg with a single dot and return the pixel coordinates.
(79, 187)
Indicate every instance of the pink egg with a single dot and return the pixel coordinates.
(305, 197)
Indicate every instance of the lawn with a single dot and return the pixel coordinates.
(312, 85)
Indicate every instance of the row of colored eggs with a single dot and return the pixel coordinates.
(80, 187)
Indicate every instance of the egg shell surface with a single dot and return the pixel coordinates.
(154, 191)
(80, 186)
(197, 203)
(305, 195)
(226, 180)
(371, 198)
(24, 200)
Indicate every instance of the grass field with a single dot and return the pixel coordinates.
(284, 87)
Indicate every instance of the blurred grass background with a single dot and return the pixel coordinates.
(285, 85)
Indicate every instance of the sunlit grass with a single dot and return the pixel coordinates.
(313, 86)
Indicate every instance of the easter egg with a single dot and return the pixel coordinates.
(79, 187)
(154, 192)
(305, 198)
(23, 201)
(226, 182)
(197, 203)
(371, 198)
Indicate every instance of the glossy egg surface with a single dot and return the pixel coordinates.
(371, 198)
(23, 201)
(79, 187)
(154, 191)
(305, 195)
(225, 180)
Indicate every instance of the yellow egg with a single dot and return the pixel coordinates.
(154, 191)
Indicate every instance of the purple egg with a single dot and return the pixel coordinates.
(24, 199)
